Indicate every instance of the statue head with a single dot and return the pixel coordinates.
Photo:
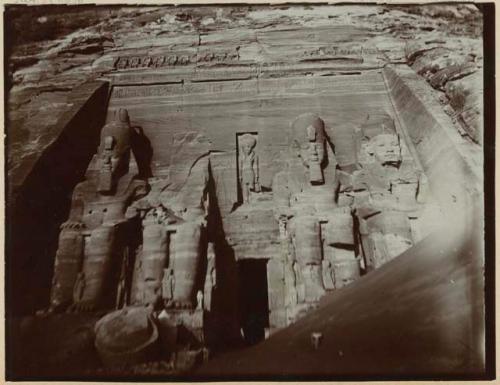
(123, 116)
(308, 138)
(247, 143)
(380, 140)
(114, 151)
(386, 149)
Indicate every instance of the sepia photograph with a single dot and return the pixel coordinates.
(249, 192)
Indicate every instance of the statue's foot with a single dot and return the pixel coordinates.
(82, 307)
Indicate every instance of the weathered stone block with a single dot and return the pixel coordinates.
(126, 337)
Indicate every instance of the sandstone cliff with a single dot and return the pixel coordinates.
(51, 50)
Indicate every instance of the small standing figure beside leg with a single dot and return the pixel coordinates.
(249, 167)
(168, 287)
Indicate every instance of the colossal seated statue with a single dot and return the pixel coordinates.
(96, 235)
(383, 188)
(168, 268)
(378, 182)
(302, 193)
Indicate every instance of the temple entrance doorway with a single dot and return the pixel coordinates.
(253, 304)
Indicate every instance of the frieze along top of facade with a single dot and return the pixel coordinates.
(230, 56)
(156, 61)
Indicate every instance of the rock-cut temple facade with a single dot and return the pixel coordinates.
(217, 211)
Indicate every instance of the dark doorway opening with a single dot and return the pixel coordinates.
(254, 308)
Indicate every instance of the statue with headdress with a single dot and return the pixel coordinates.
(98, 232)
(248, 166)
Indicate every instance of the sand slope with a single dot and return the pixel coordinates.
(419, 315)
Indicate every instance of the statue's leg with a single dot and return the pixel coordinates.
(66, 267)
(96, 267)
(137, 280)
(186, 264)
(154, 256)
(299, 282)
(313, 282)
(308, 251)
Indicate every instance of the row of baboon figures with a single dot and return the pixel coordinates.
(343, 193)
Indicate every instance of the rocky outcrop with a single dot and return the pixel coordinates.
(456, 69)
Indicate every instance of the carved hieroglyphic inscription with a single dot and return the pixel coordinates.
(186, 88)
(147, 61)
(146, 91)
(341, 51)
